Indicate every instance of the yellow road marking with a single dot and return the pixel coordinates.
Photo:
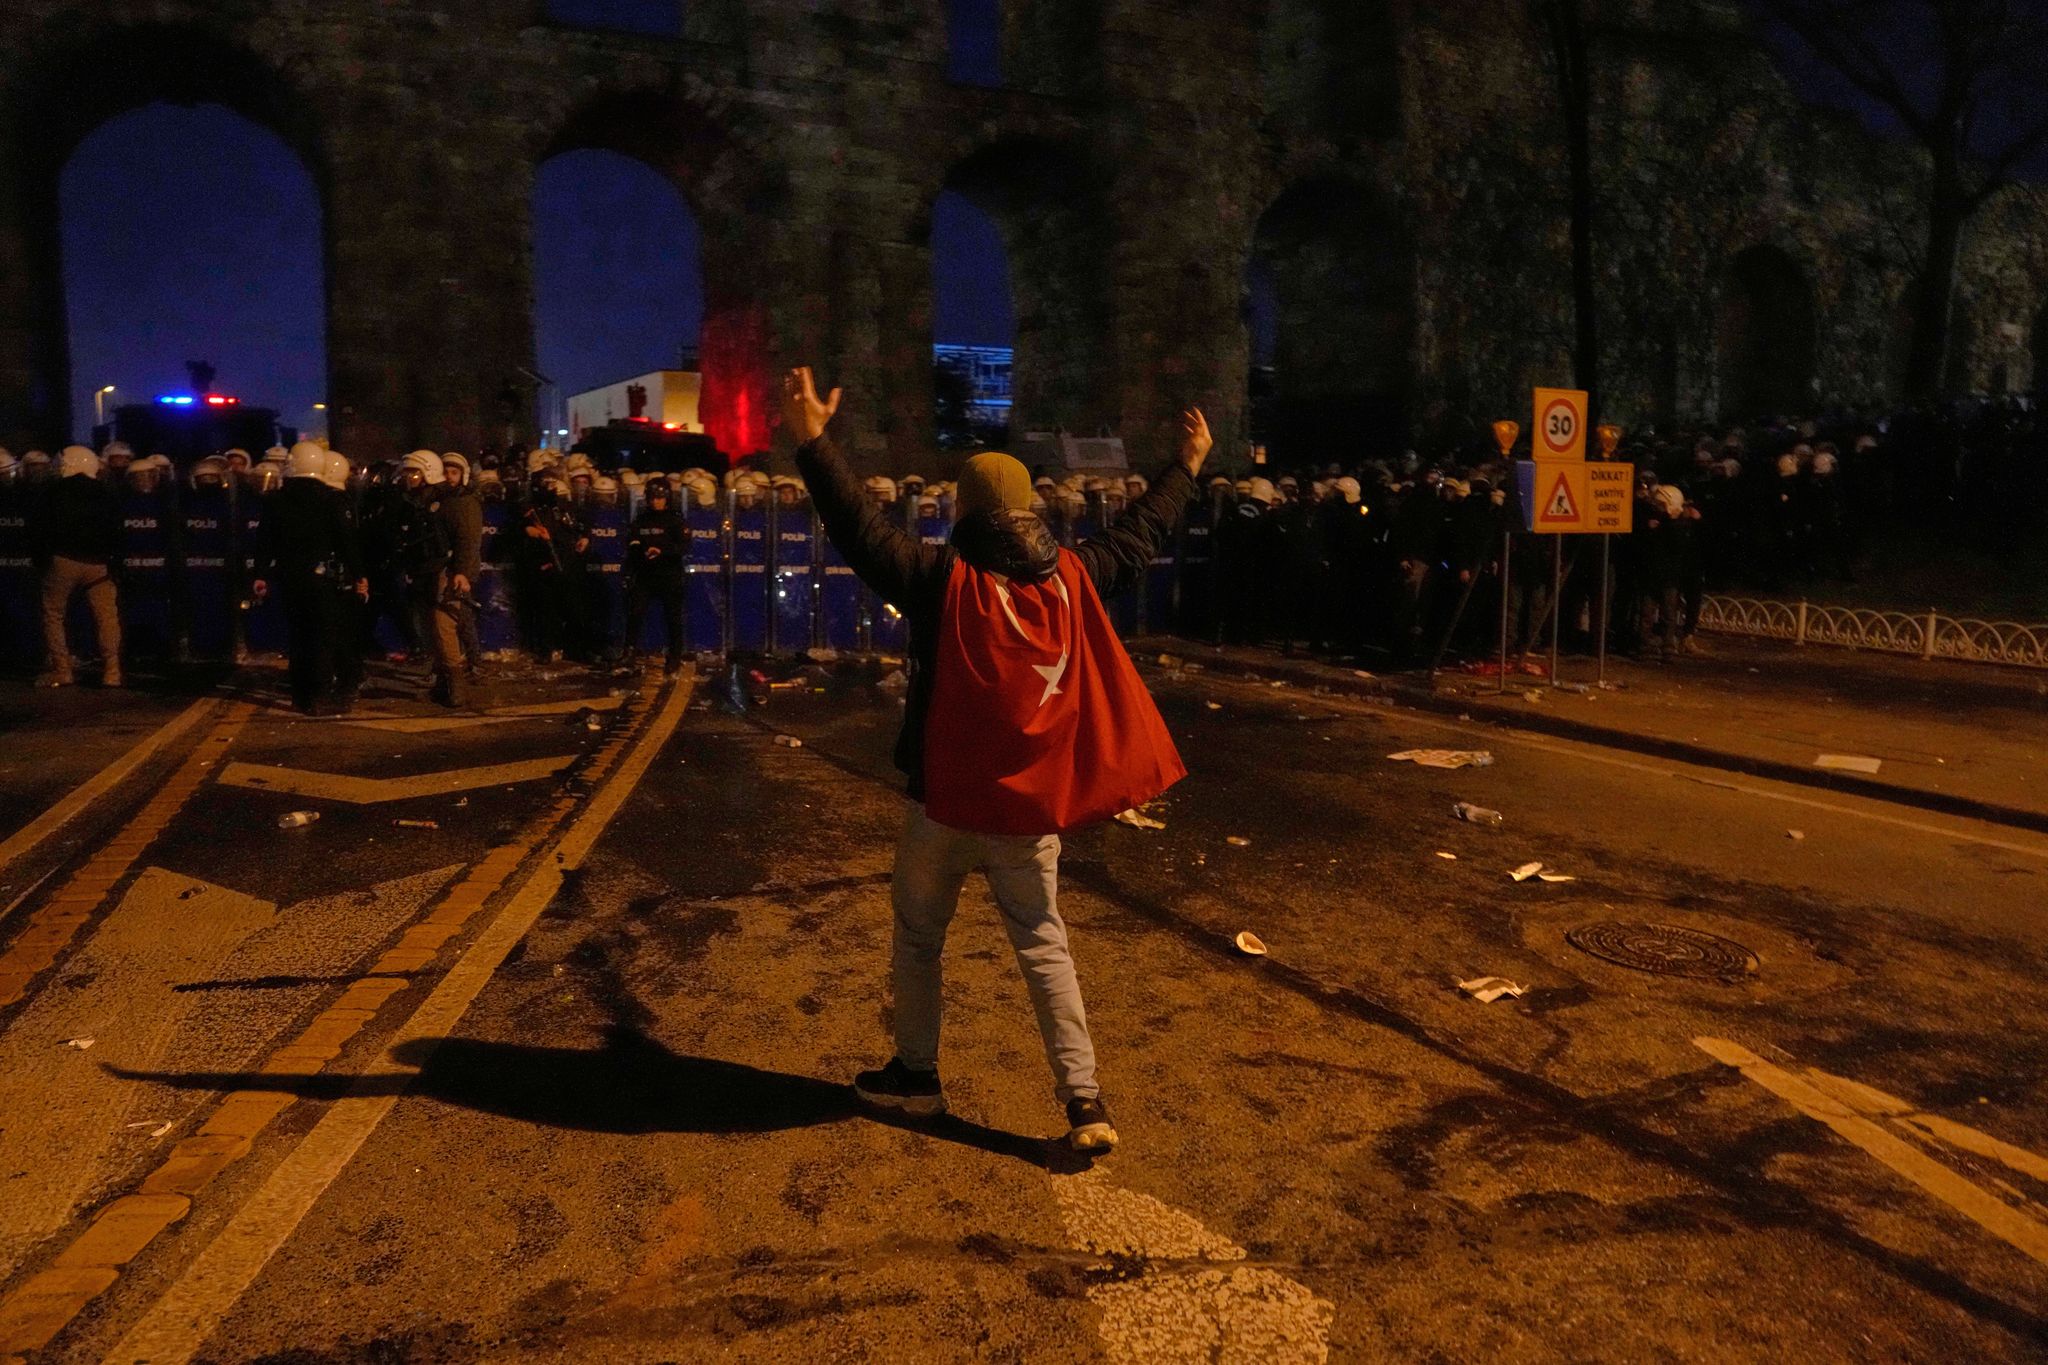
(179, 1322)
(51, 929)
(497, 715)
(102, 782)
(1987, 1211)
(365, 791)
(1877, 1104)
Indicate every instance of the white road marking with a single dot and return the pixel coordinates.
(363, 791)
(1187, 1312)
(1986, 1210)
(179, 1322)
(100, 783)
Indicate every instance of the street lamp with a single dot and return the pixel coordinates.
(99, 405)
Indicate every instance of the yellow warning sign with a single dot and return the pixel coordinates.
(1577, 499)
(1560, 510)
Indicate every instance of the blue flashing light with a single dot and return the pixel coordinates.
(181, 400)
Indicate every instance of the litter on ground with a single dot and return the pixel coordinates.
(1447, 857)
(1444, 758)
(1487, 989)
(1248, 942)
(1137, 819)
(1526, 871)
(80, 1043)
(1238, 841)
(1795, 835)
(1554, 877)
(1848, 763)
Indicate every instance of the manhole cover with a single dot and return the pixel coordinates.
(1665, 950)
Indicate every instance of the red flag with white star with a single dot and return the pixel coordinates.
(1038, 723)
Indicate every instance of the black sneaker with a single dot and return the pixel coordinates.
(1091, 1130)
(896, 1086)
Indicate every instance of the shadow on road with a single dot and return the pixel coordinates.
(631, 1084)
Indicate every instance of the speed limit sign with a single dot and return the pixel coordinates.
(1560, 431)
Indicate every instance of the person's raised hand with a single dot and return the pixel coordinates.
(802, 409)
(1195, 440)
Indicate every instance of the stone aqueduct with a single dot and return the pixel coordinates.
(1393, 165)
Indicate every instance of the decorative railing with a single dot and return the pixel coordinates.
(1927, 634)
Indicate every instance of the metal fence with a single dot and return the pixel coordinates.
(1930, 635)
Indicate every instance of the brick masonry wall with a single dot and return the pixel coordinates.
(1398, 165)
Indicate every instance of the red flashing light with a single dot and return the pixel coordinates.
(215, 400)
(671, 426)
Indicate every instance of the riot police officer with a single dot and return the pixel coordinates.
(554, 543)
(426, 558)
(308, 550)
(657, 547)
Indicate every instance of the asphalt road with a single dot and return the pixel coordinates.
(564, 1077)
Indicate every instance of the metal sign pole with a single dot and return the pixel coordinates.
(1606, 588)
(1556, 600)
(1507, 588)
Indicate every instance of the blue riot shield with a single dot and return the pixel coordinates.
(608, 525)
(704, 580)
(1196, 614)
(263, 630)
(1155, 607)
(148, 578)
(796, 540)
(750, 578)
(842, 601)
(21, 613)
(497, 626)
(209, 572)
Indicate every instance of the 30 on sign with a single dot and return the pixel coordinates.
(1560, 424)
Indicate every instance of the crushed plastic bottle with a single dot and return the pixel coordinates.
(789, 741)
(297, 819)
(1478, 815)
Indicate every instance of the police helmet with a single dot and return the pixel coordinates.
(117, 455)
(306, 461)
(881, 488)
(424, 463)
(604, 490)
(334, 471)
(211, 472)
(9, 466)
(76, 460)
(266, 476)
(236, 458)
(451, 462)
(146, 475)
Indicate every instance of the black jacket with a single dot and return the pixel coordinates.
(305, 529)
(663, 531)
(912, 577)
(78, 518)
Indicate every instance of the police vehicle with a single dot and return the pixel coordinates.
(642, 444)
(190, 426)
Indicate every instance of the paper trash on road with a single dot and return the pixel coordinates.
(1444, 758)
(157, 1127)
(1848, 763)
(1238, 841)
(789, 741)
(1554, 877)
(1213, 705)
(1447, 857)
(1248, 942)
(1487, 989)
(1795, 835)
(80, 1043)
(1137, 819)
(1526, 871)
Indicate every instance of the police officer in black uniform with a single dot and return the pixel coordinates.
(657, 547)
(309, 551)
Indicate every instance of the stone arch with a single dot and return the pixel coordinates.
(733, 186)
(1338, 260)
(83, 79)
(1765, 335)
(1050, 201)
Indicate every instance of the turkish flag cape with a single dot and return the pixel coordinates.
(1038, 723)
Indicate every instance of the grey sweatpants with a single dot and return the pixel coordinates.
(932, 863)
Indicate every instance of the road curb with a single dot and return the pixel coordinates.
(1489, 709)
